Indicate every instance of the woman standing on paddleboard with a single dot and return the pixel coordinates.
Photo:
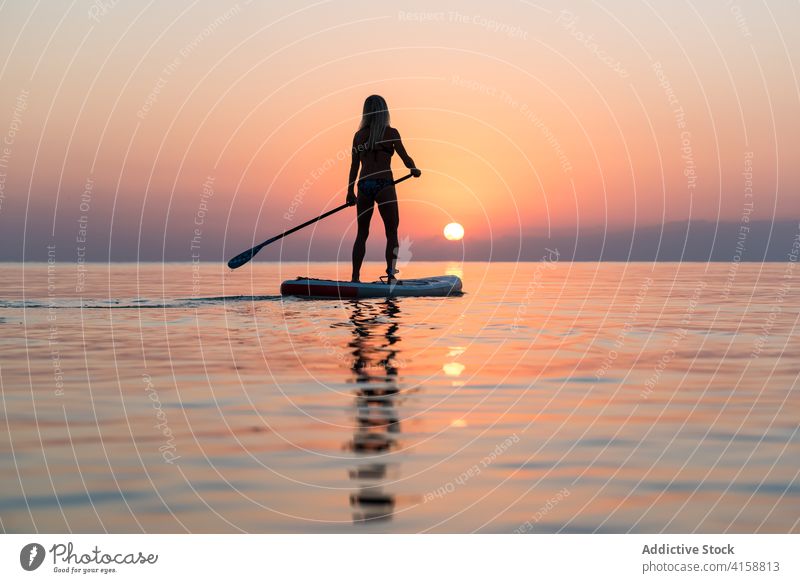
(373, 146)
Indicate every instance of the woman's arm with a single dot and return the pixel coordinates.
(351, 181)
(401, 151)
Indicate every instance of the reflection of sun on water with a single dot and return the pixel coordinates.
(453, 369)
(453, 232)
(456, 350)
(454, 268)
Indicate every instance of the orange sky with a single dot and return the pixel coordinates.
(522, 116)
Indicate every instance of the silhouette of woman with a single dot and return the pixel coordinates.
(373, 146)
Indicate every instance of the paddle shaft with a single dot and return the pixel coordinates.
(319, 218)
(243, 258)
(298, 227)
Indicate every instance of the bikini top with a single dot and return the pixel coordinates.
(383, 146)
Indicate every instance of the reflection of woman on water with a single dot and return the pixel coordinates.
(373, 146)
(374, 329)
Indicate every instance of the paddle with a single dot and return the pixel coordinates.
(243, 258)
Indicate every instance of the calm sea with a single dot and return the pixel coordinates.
(551, 397)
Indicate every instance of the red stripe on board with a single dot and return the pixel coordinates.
(325, 291)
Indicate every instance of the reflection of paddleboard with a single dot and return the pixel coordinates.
(442, 285)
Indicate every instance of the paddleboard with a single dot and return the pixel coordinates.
(442, 285)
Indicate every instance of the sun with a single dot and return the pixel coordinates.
(453, 232)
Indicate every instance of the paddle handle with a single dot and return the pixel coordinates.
(243, 258)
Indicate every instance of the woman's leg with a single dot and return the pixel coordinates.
(364, 208)
(390, 213)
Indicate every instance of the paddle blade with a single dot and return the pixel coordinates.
(243, 258)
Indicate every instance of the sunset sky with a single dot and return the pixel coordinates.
(137, 126)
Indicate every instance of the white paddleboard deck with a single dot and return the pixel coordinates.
(442, 285)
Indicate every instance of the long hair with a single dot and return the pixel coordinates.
(376, 117)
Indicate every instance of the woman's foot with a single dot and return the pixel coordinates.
(390, 276)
